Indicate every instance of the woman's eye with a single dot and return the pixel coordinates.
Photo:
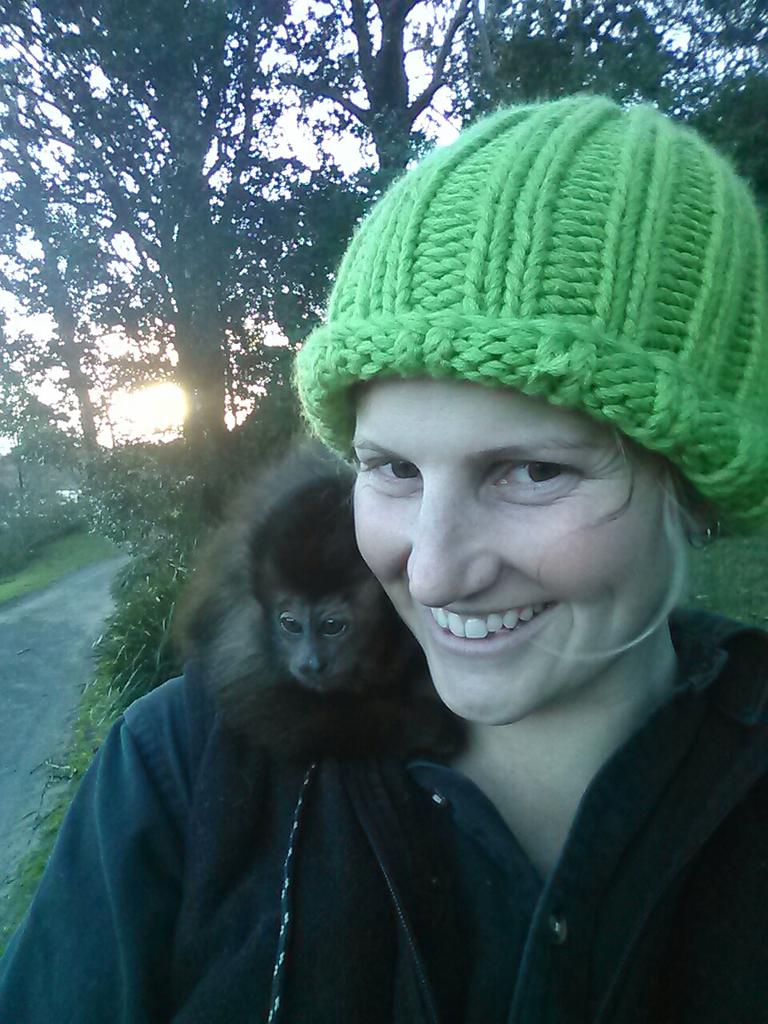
(527, 474)
(394, 470)
(402, 470)
(539, 472)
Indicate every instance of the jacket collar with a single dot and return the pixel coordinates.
(705, 642)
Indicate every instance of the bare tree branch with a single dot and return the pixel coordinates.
(364, 44)
(321, 90)
(485, 45)
(245, 137)
(422, 102)
(398, 10)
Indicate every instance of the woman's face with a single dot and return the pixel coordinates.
(515, 539)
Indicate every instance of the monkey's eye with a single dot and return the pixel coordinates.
(332, 627)
(289, 624)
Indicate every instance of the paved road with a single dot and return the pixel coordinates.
(45, 659)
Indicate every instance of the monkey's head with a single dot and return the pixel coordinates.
(323, 607)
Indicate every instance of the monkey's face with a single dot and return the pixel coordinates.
(318, 642)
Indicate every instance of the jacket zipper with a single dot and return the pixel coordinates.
(371, 831)
(399, 909)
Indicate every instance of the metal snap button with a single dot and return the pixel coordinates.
(558, 929)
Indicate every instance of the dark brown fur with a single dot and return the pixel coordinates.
(286, 554)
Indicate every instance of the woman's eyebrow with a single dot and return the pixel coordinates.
(553, 444)
(361, 442)
(541, 444)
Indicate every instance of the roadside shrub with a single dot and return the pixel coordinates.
(24, 530)
(135, 651)
(144, 495)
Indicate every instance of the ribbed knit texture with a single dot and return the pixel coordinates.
(609, 260)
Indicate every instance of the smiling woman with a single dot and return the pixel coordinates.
(546, 350)
(143, 414)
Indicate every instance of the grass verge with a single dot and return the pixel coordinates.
(58, 558)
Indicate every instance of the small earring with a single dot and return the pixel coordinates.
(708, 535)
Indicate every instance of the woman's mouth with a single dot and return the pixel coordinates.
(474, 627)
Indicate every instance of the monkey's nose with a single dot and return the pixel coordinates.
(312, 670)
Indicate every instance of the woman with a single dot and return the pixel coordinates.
(545, 347)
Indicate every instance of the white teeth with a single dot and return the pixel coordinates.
(456, 624)
(476, 628)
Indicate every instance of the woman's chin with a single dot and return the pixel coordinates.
(481, 699)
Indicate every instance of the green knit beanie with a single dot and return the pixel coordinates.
(607, 259)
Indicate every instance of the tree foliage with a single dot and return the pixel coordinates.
(356, 54)
(147, 194)
(154, 114)
(736, 119)
(702, 60)
(529, 49)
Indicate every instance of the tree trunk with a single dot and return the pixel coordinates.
(70, 353)
(199, 324)
(201, 376)
(392, 138)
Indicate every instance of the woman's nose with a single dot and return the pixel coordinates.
(451, 559)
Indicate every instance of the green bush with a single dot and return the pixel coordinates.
(25, 529)
(144, 494)
(149, 493)
(154, 499)
(136, 652)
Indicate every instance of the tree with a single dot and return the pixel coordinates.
(38, 437)
(705, 61)
(727, 97)
(536, 49)
(159, 129)
(736, 119)
(157, 111)
(721, 42)
(353, 47)
(52, 256)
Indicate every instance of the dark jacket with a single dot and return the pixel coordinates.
(195, 881)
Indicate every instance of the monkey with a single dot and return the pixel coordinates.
(296, 640)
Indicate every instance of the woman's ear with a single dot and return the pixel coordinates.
(698, 517)
(706, 534)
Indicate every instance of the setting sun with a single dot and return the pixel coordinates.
(147, 412)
